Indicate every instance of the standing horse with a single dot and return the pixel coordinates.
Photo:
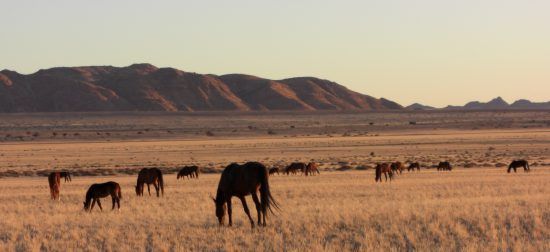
(295, 168)
(240, 181)
(97, 191)
(397, 167)
(385, 169)
(519, 163)
(189, 172)
(444, 166)
(150, 176)
(273, 171)
(412, 166)
(66, 175)
(311, 169)
(54, 180)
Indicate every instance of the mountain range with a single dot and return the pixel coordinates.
(144, 87)
(500, 104)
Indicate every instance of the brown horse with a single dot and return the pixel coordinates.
(239, 181)
(444, 166)
(273, 171)
(189, 172)
(66, 175)
(97, 191)
(150, 176)
(54, 180)
(385, 169)
(311, 169)
(519, 163)
(413, 166)
(397, 167)
(295, 168)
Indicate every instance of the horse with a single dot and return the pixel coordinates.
(412, 166)
(239, 181)
(189, 172)
(273, 171)
(54, 180)
(149, 176)
(311, 169)
(397, 167)
(97, 191)
(66, 175)
(519, 163)
(444, 166)
(385, 169)
(295, 167)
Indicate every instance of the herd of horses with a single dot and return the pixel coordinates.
(236, 181)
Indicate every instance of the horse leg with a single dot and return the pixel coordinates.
(245, 206)
(99, 205)
(157, 189)
(114, 201)
(258, 207)
(385, 175)
(229, 211)
(149, 189)
(93, 204)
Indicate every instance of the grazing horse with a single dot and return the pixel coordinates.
(397, 167)
(414, 165)
(519, 163)
(239, 181)
(311, 169)
(66, 176)
(189, 172)
(385, 169)
(54, 180)
(273, 171)
(444, 166)
(150, 176)
(97, 191)
(295, 168)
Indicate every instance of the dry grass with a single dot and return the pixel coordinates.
(467, 209)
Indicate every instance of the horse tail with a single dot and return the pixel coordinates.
(267, 200)
(119, 192)
(161, 183)
(378, 174)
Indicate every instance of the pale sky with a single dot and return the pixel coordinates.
(436, 52)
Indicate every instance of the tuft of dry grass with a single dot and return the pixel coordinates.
(466, 209)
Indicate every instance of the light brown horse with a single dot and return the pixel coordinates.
(444, 166)
(413, 166)
(54, 180)
(519, 163)
(97, 191)
(150, 176)
(311, 169)
(273, 171)
(383, 168)
(189, 172)
(397, 167)
(295, 168)
(240, 181)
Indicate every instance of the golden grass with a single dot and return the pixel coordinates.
(462, 210)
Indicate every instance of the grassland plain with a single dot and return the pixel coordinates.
(482, 209)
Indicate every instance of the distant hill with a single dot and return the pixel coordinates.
(418, 106)
(144, 87)
(500, 104)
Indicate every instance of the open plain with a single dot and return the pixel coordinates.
(477, 206)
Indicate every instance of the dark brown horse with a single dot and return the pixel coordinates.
(444, 166)
(413, 166)
(66, 175)
(519, 163)
(397, 167)
(97, 191)
(385, 169)
(273, 171)
(189, 172)
(311, 169)
(150, 176)
(239, 181)
(297, 167)
(54, 180)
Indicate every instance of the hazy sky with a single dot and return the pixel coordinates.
(435, 52)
